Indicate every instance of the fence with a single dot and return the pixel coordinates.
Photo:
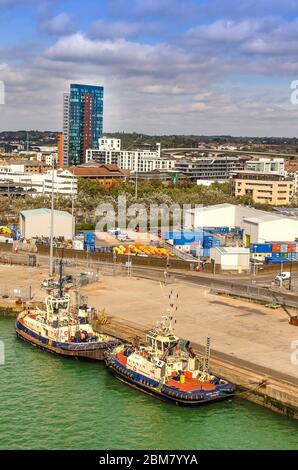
(256, 293)
(23, 293)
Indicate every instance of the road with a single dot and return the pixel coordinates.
(195, 149)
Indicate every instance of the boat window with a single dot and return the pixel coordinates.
(159, 345)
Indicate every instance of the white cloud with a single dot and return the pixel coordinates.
(59, 24)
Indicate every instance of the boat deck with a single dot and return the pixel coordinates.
(189, 385)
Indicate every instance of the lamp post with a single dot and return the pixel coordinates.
(291, 265)
(52, 222)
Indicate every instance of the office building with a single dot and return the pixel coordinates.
(264, 188)
(266, 165)
(203, 170)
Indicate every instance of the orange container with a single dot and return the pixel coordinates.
(291, 248)
(275, 247)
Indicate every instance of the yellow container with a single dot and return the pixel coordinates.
(182, 379)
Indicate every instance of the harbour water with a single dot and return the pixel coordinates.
(52, 403)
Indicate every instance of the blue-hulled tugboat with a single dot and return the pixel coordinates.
(167, 368)
(61, 330)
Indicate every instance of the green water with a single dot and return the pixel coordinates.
(52, 403)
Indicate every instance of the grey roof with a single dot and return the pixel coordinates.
(42, 212)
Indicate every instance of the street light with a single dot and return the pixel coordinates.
(291, 265)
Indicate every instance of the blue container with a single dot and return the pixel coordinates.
(261, 248)
(187, 236)
(89, 247)
(214, 230)
(89, 237)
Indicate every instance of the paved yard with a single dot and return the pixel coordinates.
(243, 329)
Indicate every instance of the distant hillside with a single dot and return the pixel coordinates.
(35, 137)
(134, 139)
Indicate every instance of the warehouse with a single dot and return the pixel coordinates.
(230, 258)
(258, 226)
(37, 223)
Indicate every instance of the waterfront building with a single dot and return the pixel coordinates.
(137, 160)
(85, 120)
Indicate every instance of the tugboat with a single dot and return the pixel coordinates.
(60, 330)
(167, 368)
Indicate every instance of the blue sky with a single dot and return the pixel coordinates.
(168, 66)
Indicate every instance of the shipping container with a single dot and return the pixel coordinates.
(89, 237)
(283, 247)
(214, 230)
(187, 236)
(261, 248)
(276, 247)
(284, 255)
(291, 248)
(89, 247)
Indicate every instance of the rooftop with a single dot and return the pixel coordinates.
(232, 250)
(43, 211)
(97, 171)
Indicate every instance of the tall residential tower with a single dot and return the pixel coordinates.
(82, 121)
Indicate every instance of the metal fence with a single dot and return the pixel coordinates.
(256, 293)
(23, 293)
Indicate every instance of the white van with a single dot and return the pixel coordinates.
(284, 276)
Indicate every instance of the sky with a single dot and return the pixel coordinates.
(168, 66)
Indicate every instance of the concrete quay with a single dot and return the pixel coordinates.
(276, 394)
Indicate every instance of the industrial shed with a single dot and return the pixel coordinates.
(259, 226)
(231, 258)
(37, 223)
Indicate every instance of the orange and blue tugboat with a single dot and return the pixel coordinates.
(167, 368)
(60, 330)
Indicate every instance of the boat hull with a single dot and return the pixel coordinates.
(137, 382)
(91, 351)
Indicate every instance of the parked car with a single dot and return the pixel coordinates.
(122, 237)
(284, 276)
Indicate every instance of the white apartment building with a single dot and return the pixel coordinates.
(48, 158)
(266, 165)
(64, 182)
(109, 152)
(109, 144)
(65, 128)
